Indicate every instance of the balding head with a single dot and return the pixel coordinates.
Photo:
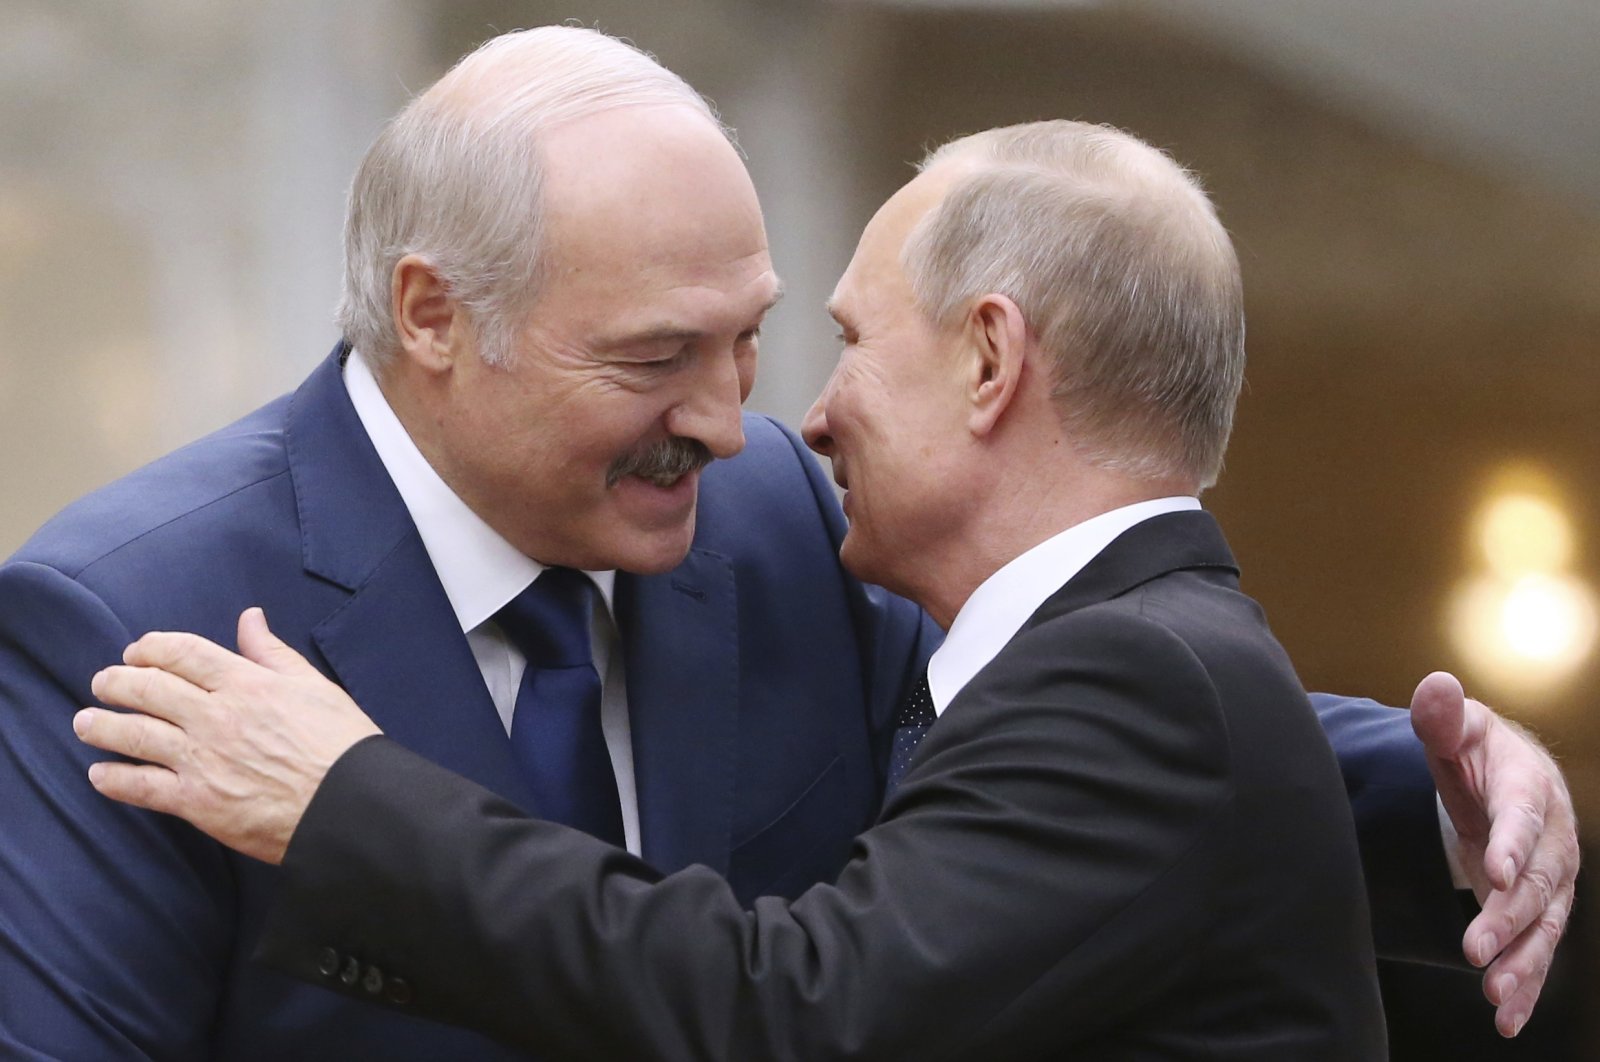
(458, 177)
(1123, 273)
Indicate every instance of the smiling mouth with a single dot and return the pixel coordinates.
(663, 481)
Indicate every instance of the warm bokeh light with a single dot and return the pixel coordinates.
(1522, 620)
(1520, 533)
(1526, 635)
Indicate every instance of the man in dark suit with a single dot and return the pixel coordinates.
(387, 511)
(1043, 346)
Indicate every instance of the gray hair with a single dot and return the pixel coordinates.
(1124, 275)
(456, 177)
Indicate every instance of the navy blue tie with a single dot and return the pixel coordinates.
(911, 725)
(556, 734)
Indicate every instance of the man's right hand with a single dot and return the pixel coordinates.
(236, 745)
(1517, 834)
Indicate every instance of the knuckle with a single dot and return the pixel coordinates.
(1532, 810)
(1541, 883)
(1510, 923)
(1552, 926)
(144, 685)
(137, 785)
(178, 650)
(1570, 855)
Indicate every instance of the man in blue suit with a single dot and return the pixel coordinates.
(546, 350)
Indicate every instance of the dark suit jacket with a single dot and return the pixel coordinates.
(1126, 838)
(125, 934)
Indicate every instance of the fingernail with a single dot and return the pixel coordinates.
(1510, 870)
(82, 721)
(1482, 948)
(1517, 1023)
(97, 773)
(1506, 984)
(94, 683)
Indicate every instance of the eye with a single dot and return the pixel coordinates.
(750, 336)
(677, 359)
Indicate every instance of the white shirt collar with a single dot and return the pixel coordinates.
(479, 569)
(1003, 602)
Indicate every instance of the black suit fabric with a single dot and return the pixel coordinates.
(1126, 838)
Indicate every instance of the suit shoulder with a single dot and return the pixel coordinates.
(1117, 634)
(1106, 666)
(169, 494)
(774, 460)
(774, 484)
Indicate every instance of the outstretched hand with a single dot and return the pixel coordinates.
(235, 744)
(1517, 835)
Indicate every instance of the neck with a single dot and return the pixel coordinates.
(1017, 516)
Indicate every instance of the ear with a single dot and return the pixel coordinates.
(431, 326)
(997, 343)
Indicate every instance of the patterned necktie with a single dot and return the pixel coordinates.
(911, 723)
(556, 734)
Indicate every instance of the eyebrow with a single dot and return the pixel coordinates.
(669, 333)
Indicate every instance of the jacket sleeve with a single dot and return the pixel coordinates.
(1417, 915)
(115, 923)
(1047, 855)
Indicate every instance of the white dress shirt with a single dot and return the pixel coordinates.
(481, 572)
(996, 611)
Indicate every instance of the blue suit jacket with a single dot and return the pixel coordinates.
(125, 934)
(761, 681)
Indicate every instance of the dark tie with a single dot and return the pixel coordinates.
(911, 723)
(556, 734)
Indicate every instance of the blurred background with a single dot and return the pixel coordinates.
(1414, 189)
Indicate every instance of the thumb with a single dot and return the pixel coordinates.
(257, 643)
(1439, 714)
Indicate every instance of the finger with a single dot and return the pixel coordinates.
(188, 656)
(261, 646)
(141, 785)
(149, 690)
(1510, 1017)
(1438, 714)
(1452, 729)
(1512, 1014)
(1508, 915)
(1516, 978)
(140, 737)
(1517, 823)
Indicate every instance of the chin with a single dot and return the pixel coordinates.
(859, 559)
(654, 552)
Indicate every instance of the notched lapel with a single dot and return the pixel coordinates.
(680, 638)
(396, 647)
(394, 644)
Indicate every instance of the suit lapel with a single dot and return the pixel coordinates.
(394, 644)
(681, 644)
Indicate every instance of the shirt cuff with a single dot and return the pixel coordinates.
(1452, 847)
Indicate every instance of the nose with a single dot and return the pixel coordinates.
(814, 428)
(711, 411)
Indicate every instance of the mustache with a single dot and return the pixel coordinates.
(662, 463)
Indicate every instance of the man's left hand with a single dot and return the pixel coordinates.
(1517, 836)
(237, 745)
